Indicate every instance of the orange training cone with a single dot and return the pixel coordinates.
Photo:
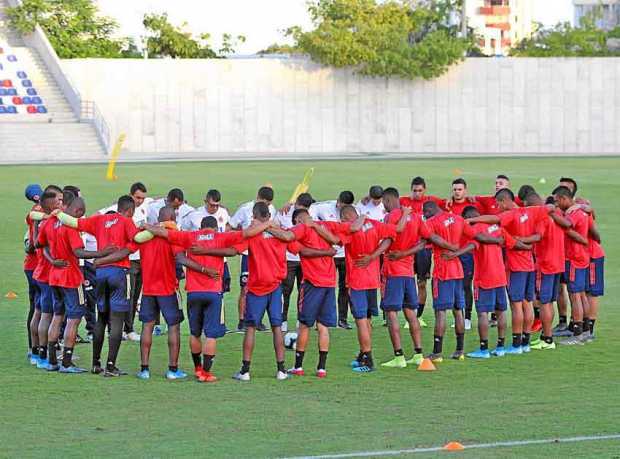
(426, 365)
(11, 295)
(457, 171)
(454, 446)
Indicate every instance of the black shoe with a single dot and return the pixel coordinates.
(261, 327)
(80, 340)
(113, 372)
(96, 370)
(344, 325)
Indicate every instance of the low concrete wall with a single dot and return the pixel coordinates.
(276, 106)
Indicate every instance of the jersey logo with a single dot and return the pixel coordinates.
(523, 218)
(111, 223)
(205, 237)
(492, 229)
(367, 226)
(57, 225)
(448, 221)
(267, 235)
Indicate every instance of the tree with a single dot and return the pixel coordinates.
(167, 40)
(74, 27)
(394, 38)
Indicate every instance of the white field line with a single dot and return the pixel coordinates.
(466, 447)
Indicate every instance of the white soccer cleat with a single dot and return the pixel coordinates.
(467, 324)
(133, 336)
(242, 376)
(284, 326)
(281, 376)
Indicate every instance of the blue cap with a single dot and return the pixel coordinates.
(33, 192)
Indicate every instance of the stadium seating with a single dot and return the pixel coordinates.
(20, 95)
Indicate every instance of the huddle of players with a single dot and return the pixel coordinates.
(521, 245)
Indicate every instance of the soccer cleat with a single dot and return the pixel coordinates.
(207, 377)
(572, 341)
(261, 327)
(71, 369)
(591, 338)
(467, 324)
(34, 359)
(536, 326)
(52, 367)
(96, 370)
(157, 330)
(525, 348)
(113, 372)
(535, 342)
(123, 336)
(143, 374)
(42, 364)
(281, 376)
(296, 371)
(542, 346)
(397, 362)
(562, 331)
(423, 323)
(480, 354)
(493, 323)
(198, 371)
(174, 375)
(344, 325)
(356, 363)
(499, 351)
(81, 340)
(133, 336)
(435, 357)
(514, 350)
(321, 373)
(364, 369)
(585, 337)
(242, 376)
(284, 326)
(416, 359)
(458, 355)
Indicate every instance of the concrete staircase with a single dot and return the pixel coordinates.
(55, 136)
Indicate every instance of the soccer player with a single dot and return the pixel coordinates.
(317, 304)
(398, 266)
(487, 205)
(284, 218)
(113, 295)
(364, 241)
(174, 199)
(577, 262)
(212, 208)
(240, 220)
(372, 206)
(205, 268)
(267, 270)
(521, 223)
(596, 275)
(33, 193)
(424, 257)
(329, 211)
(445, 232)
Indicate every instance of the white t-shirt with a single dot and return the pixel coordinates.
(193, 220)
(152, 216)
(243, 216)
(286, 222)
(372, 211)
(327, 211)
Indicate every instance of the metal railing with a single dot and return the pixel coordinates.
(90, 113)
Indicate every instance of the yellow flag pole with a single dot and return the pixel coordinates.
(116, 151)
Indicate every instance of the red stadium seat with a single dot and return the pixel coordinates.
(7, 83)
(31, 109)
(17, 100)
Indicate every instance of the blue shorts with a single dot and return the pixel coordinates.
(46, 298)
(113, 289)
(577, 278)
(448, 294)
(317, 304)
(363, 303)
(467, 262)
(400, 292)
(596, 278)
(243, 271)
(548, 287)
(168, 305)
(33, 290)
(256, 305)
(422, 265)
(522, 286)
(490, 299)
(205, 314)
(70, 302)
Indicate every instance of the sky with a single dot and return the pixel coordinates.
(260, 21)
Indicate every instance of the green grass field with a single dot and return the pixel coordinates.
(572, 391)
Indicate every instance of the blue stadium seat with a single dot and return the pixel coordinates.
(1, 67)
(26, 83)
(11, 109)
(22, 75)
(1, 101)
(36, 100)
(11, 58)
(11, 92)
(4, 92)
(41, 109)
(31, 91)
(3, 110)
(26, 100)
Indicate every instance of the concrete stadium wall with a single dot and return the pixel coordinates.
(277, 106)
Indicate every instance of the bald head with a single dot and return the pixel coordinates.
(167, 214)
(348, 214)
(77, 207)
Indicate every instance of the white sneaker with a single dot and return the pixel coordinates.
(242, 376)
(123, 337)
(284, 326)
(280, 376)
(467, 324)
(133, 336)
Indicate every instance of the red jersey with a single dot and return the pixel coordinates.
(42, 271)
(361, 243)
(450, 228)
(489, 269)
(158, 265)
(31, 259)
(417, 204)
(110, 230)
(405, 240)
(319, 271)
(595, 248)
(62, 243)
(208, 238)
(266, 262)
(578, 254)
(522, 222)
(550, 256)
(458, 207)
(487, 205)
